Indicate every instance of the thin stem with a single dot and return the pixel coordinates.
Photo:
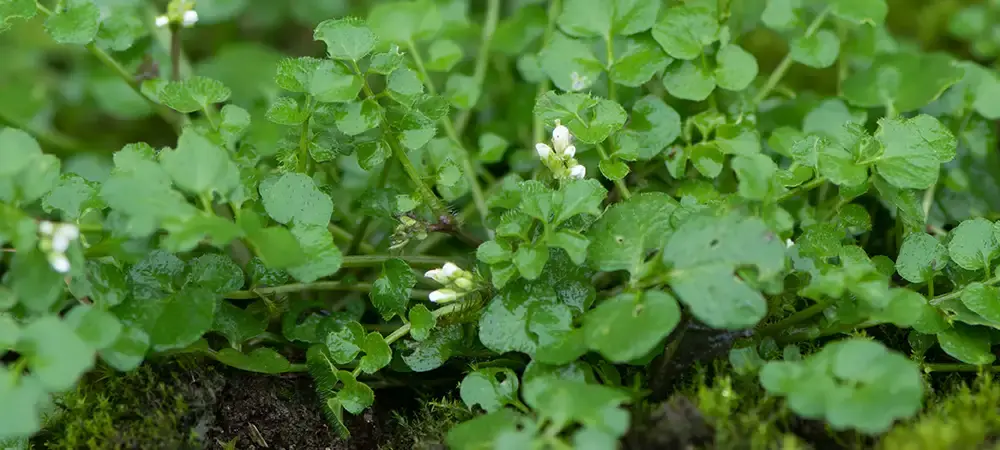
(166, 113)
(175, 52)
(406, 327)
(958, 293)
(316, 286)
(482, 59)
(470, 173)
(374, 260)
(794, 319)
(303, 163)
(610, 47)
(954, 367)
(359, 237)
(619, 183)
(411, 171)
(800, 189)
(555, 6)
(786, 62)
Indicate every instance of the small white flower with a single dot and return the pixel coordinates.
(543, 150)
(59, 262)
(578, 172)
(60, 243)
(68, 231)
(570, 151)
(162, 21)
(46, 227)
(560, 136)
(450, 270)
(190, 18)
(443, 295)
(437, 275)
(789, 243)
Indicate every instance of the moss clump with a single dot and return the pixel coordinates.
(426, 427)
(152, 407)
(962, 417)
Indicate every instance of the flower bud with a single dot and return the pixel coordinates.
(569, 151)
(60, 243)
(59, 262)
(162, 21)
(68, 231)
(578, 172)
(543, 150)
(190, 18)
(46, 227)
(450, 270)
(560, 136)
(464, 284)
(443, 296)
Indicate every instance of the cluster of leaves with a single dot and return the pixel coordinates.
(287, 177)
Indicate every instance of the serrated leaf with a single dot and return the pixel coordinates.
(590, 120)
(405, 21)
(347, 38)
(913, 151)
(973, 244)
(641, 59)
(286, 111)
(906, 80)
(75, 23)
(323, 257)
(920, 257)
(194, 94)
(490, 388)
(357, 117)
(15, 10)
(685, 29)
(422, 321)
(391, 291)
(627, 230)
(199, 166)
(295, 197)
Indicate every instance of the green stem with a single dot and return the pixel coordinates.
(958, 293)
(619, 183)
(610, 47)
(538, 128)
(411, 171)
(800, 189)
(316, 286)
(954, 367)
(786, 62)
(166, 113)
(374, 260)
(403, 330)
(303, 165)
(810, 335)
(360, 236)
(794, 319)
(470, 173)
(482, 59)
(212, 116)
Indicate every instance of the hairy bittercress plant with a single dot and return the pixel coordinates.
(682, 184)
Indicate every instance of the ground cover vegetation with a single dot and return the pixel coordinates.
(572, 221)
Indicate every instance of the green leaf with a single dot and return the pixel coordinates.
(913, 151)
(294, 197)
(235, 121)
(756, 174)
(983, 300)
(621, 238)
(736, 68)
(277, 247)
(974, 244)
(819, 50)
(372, 154)
(968, 344)
(74, 23)
(490, 388)
(354, 395)
(871, 12)
(422, 321)
(347, 38)
(434, 351)
(569, 63)
(705, 251)
(128, 351)
(492, 147)
(654, 125)
(17, 151)
(199, 166)
(345, 343)
(33, 281)
(260, 360)
(73, 195)
(294, 74)
(404, 86)
(689, 81)
(103, 282)
(630, 325)
(442, 55)
(590, 120)
(357, 117)
(641, 59)
(11, 10)
(238, 324)
(391, 291)
(838, 164)
(920, 257)
(174, 321)
(906, 80)
(97, 327)
(613, 169)
(575, 244)
(568, 401)
(405, 21)
(386, 62)
(33, 182)
(482, 432)
(530, 260)
(377, 353)
(56, 356)
(333, 82)
(286, 111)
(685, 29)
(194, 94)
(323, 257)
(215, 273)
(580, 197)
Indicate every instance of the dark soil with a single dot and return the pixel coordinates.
(199, 405)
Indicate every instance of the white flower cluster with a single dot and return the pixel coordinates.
(55, 240)
(188, 20)
(559, 158)
(457, 283)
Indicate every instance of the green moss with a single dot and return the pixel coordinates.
(152, 407)
(962, 417)
(426, 427)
